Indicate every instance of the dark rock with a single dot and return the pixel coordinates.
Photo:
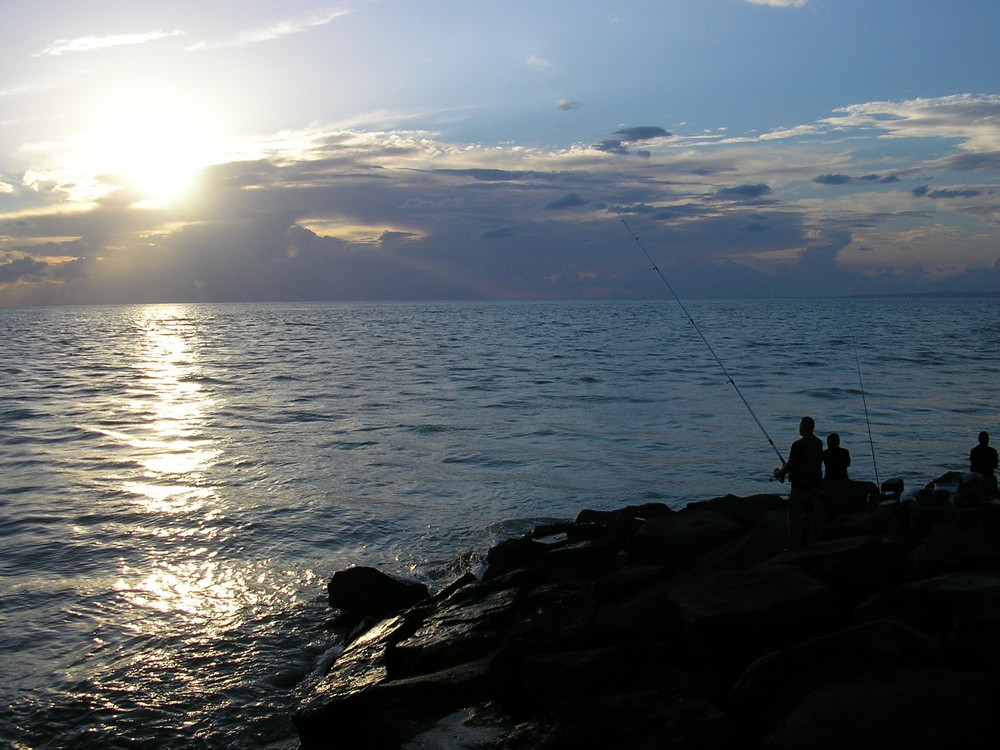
(512, 554)
(647, 614)
(650, 628)
(648, 720)
(846, 497)
(746, 511)
(730, 618)
(626, 581)
(960, 609)
(916, 710)
(765, 540)
(368, 591)
(338, 708)
(552, 618)
(402, 707)
(874, 522)
(774, 684)
(963, 540)
(857, 568)
(676, 539)
(457, 632)
(552, 679)
(631, 512)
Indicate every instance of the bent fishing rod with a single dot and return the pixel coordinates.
(729, 378)
(864, 401)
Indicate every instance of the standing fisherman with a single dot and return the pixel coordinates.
(804, 468)
(983, 461)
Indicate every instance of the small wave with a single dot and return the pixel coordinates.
(202, 379)
(428, 429)
(20, 414)
(479, 460)
(347, 445)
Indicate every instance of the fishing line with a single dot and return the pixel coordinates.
(701, 335)
(864, 402)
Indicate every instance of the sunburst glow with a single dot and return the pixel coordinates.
(151, 149)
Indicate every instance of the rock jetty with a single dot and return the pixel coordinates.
(647, 627)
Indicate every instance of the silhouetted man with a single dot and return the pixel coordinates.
(983, 461)
(804, 468)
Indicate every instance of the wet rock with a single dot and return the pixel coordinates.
(457, 632)
(367, 591)
(339, 707)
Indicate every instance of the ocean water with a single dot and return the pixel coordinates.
(178, 482)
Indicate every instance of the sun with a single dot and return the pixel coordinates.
(152, 150)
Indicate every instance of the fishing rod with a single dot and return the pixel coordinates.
(864, 402)
(701, 335)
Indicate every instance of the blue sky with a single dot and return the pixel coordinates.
(470, 149)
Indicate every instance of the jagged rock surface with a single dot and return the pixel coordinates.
(647, 627)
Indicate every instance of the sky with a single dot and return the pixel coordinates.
(476, 149)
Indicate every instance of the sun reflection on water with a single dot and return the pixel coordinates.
(184, 576)
(172, 403)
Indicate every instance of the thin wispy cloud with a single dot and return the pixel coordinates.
(539, 63)
(94, 43)
(972, 120)
(276, 30)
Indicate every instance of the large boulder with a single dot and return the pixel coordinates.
(916, 710)
(674, 540)
(367, 591)
(775, 683)
(731, 617)
(746, 511)
(336, 711)
(960, 609)
(965, 539)
(857, 568)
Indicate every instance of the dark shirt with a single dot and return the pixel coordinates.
(805, 462)
(983, 459)
(836, 460)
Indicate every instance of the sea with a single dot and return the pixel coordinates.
(179, 482)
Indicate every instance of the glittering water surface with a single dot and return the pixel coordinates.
(178, 482)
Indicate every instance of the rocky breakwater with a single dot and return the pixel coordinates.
(646, 627)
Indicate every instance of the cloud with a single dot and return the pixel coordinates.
(276, 30)
(333, 213)
(566, 105)
(923, 191)
(844, 179)
(973, 121)
(636, 134)
(743, 192)
(92, 43)
(22, 269)
(641, 133)
(570, 200)
(538, 63)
